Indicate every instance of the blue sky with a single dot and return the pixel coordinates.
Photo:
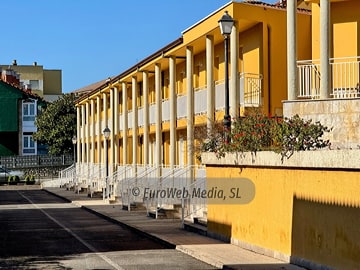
(91, 40)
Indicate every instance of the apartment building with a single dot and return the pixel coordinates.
(154, 108)
(19, 107)
(294, 57)
(46, 83)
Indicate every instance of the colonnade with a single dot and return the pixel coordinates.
(106, 105)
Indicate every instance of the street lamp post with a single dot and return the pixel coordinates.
(106, 133)
(226, 23)
(74, 141)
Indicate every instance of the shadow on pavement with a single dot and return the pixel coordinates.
(282, 266)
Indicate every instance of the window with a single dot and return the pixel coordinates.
(29, 111)
(29, 145)
(35, 85)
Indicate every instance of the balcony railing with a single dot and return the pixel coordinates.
(250, 89)
(250, 96)
(345, 78)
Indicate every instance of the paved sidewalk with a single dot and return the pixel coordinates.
(168, 231)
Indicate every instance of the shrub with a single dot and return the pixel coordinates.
(257, 132)
(30, 180)
(13, 180)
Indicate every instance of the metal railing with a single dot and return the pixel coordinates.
(195, 206)
(35, 161)
(130, 183)
(132, 188)
(96, 178)
(68, 175)
(160, 192)
(115, 180)
(175, 189)
(250, 89)
(345, 78)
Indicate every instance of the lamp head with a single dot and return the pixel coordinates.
(106, 133)
(226, 23)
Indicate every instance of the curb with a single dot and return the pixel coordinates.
(132, 228)
(117, 222)
(201, 257)
(57, 195)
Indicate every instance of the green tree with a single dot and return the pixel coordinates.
(57, 125)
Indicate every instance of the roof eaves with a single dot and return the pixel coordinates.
(23, 92)
(133, 68)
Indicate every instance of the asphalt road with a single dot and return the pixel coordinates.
(41, 231)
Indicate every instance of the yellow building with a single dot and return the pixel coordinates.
(46, 83)
(283, 59)
(305, 210)
(154, 107)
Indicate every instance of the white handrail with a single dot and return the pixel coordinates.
(345, 78)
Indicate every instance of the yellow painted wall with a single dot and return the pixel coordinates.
(250, 46)
(166, 148)
(27, 72)
(272, 221)
(152, 89)
(315, 30)
(200, 70)
(52, 79)
(52, 82)
(344, 29)
(181, 77)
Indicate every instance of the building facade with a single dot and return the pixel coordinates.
(154, 108)
(19, 108)
(295, 57)
(46, 83)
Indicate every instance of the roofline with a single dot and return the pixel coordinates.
(24, 93)
(149, 58)
(163, 50)
(133, 68)
(208, 16)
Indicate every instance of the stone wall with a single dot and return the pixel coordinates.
(343, 115)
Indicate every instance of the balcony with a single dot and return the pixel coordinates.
(344, 76)
(250, 96)
(250, 90)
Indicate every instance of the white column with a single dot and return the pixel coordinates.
(172, 81)
(210, 95)
(112, 133)
(158, 99)
(116, 126)
(83, 138)
(190, 105)
(98, 128)
(125, 123)
(134, 120)
(105, 107)
(78, 134)
(92, 131)
(291, 49)
(146, 116)
(324, 49)
(87, 132)
(234, 94)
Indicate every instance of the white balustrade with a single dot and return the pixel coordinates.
(345, 78)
